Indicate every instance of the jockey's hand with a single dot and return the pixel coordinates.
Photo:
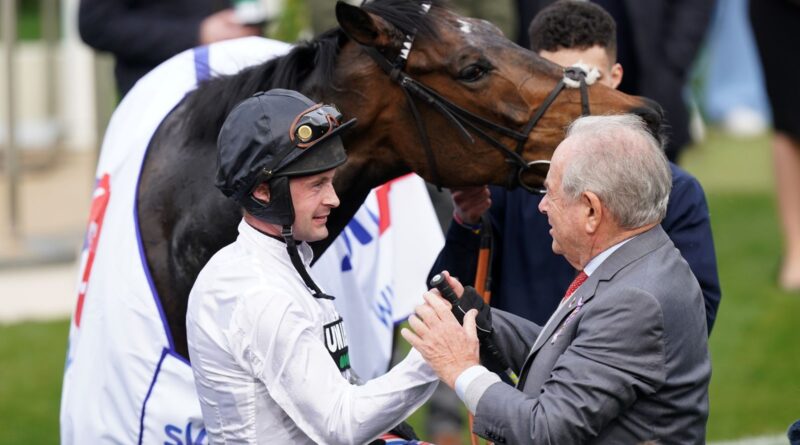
(470, 203)
(448, 347)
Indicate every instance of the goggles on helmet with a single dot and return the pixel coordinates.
(313, 124)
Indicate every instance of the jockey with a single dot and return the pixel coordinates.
(268, 349)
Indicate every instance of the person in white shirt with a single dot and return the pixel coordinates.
(268, 349)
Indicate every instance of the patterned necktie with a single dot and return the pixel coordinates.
(576, 283)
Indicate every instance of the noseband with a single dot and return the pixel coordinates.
(466, 121)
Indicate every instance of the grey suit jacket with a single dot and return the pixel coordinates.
(625, 360)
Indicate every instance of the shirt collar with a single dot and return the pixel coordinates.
(273, 245)
(595, 262)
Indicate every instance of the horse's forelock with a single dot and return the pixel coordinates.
(407, 15)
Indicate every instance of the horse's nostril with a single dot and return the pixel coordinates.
(653, 116)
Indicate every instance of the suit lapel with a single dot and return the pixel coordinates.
(631, 251)
(582, 294)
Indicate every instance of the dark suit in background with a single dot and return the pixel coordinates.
(624, 360)
(143, 33)
(529, 279)
(658, 41)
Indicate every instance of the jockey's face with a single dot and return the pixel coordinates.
(597, 56)
(313, 198)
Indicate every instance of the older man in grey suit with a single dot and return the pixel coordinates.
(624, 358)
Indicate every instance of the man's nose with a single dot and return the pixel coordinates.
(543, 204)
(331, 198)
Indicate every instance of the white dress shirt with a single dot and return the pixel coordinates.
(270, 360)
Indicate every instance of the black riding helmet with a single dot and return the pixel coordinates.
(271, 137)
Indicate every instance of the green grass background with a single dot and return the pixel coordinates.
(755, 347)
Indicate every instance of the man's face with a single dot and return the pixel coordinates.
(565, 215)
(313, 198)
(596, 56)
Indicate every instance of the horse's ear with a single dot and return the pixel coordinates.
(365, 28)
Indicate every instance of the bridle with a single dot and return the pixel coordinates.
(466, 121)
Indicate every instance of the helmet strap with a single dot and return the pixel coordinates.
(291, 247)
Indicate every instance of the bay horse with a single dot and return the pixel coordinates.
(467, 63)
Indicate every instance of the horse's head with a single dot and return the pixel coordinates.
(482, 82)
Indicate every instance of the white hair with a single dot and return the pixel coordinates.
(620, 161)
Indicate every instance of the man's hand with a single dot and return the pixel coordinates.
(224, 26)
(470, 203)
(447, 346)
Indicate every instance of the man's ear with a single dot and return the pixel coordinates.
(616, 75)
(367, 29)
(261, 192)
(594, 211)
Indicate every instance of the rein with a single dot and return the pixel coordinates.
(465, 120)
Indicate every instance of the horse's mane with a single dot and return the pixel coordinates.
(307, 67)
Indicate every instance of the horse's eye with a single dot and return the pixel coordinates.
(473, 73)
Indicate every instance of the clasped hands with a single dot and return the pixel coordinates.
(448, 347)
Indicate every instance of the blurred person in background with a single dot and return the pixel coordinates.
(566, 33)
(774, 23)
(657, 43)
(143, 33)
(732, 92)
